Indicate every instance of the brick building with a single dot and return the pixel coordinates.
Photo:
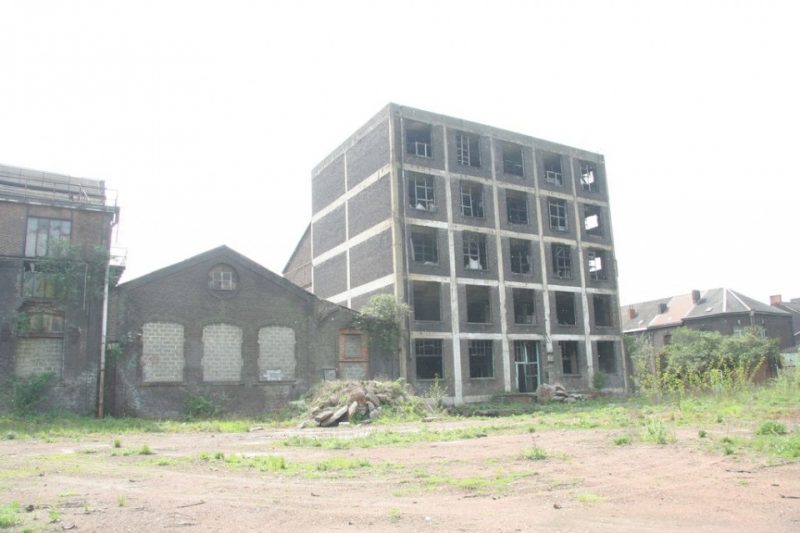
(501, 243)
(222, 327)
(55, 234)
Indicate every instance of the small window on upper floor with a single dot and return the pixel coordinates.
(47, 237)
(471, 199)
(520, 255)
(592, 221)
(467, 150)
(424, 247)
(516, 207)
(562, 261)
(597, 268)
(557, 211)
(474, 249)
(512, 160)
(589, 177)
(418, 139)
(421, 192)
(552, 169)
(222, 278)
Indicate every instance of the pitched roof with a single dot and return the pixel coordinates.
(673, 310)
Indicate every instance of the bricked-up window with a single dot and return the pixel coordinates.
(520, 255)
(592, 221)
(478, 306)
(562, 261)
(276, 353)
(524, 307)
(426, 296)
(421, 193)
(474, 248)
(480, 359)
(597, 269)
(353, 346)
(565, 308)
(557, 211)
(606, 357)
(552, 170)
(42, 323)
(424, 248)
(428, 355)
(418, 139)
(46, 237)
(589, 177)
(222, 278)
(569, 356)
(222, 353)
(512, 159)
(516, 207)
(471, 199)
(163, 358)
(468, 151)
(603, 315)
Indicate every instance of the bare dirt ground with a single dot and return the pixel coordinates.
(586, 483)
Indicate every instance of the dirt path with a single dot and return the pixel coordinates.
(586, 483)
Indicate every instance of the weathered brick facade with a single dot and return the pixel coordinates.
(39, 356)
(162, 352)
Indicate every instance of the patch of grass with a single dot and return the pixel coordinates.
(394, 515)
(780, 446)
(588, 498)
(393, 438)
(495, 484)
(341, 463)
(54, 516)
(534, 454)
(656, 432)
(622, 440)
(770, 427)
(117, 443)
(702, 434)
(10, 435)
(9, 515)
(145, 450)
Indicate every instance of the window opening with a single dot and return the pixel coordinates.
(602, 310)
(478, 304)
(606, 357)
(37, 284)
(565, 308)
(428, 353)
(471, 199)
(562, 261)
(512, 160)
(474, 251)
(222, 278)
(480, 359)
(588, 177)
(591, 220)
(552, 169)
(597, 271)
(524, 307)
(520, 254)
(421, 194)
(526, 359)
(426, 296)
(46, 237)
(569, 356)
(418, 139)
(467, 150)
(516, 207)
(557, 209)
(424, 245)
(41, 323)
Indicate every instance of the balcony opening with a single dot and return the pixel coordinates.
(418, 139)
(565, 309)
(524, 307)
(512, 160)
(426, 295)
(478, 307)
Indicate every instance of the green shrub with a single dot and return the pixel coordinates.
(199, 406)
(771, 427)
(22, 396)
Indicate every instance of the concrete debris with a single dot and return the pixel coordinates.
(337, 402)
(556, 393)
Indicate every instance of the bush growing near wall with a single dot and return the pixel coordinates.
(382, 319)
(200, 407)
(21, 396)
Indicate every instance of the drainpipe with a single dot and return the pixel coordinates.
(103, 336)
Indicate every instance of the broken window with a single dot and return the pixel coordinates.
(474, 251)
(588, 177)
(569, 356)
(603, 315)
(467, 150)
(222, 278)
(597, 270)
(418, 139)
(478, 304)
(424, 246)
(41, 323)
(524, 310)
(552, 169)
(38, 284)
(557, 209)
(565, 308)
(562, 261)
(591, 220)
(516, 207)
(47, 237)
(421, 193)
(606, 357)
(512, 159)
(428, 354)
(426, 296)
(471, 199)
(520, 254)
(526, 359)
(480, 359)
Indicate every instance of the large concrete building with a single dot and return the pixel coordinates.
(55, 234)
(501, 244)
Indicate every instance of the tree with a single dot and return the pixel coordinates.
(382, 319)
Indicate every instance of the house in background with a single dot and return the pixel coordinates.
(500, 243)
(723, 310)
(55, 237)
(222, 327)
(792, 307)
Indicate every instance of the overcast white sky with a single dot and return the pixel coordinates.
(207, 117)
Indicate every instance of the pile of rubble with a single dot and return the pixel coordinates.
(335, 402)
(556, 393)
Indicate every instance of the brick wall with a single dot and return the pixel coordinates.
(276, 353)
(162, 352)
(222, 353)
(39, 356)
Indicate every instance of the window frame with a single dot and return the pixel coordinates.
(468, 149)
(434, 349)
(481, 359)
(553, 177)
(422, 193)
(600, 274)
(424, 245)
(512, 167)
(562, 260)
(521, 305)
(557, 214)
(588, 168)
(519, 261)
(472, 199)
(474, 249)
(516, 204)
(572, 358)
(49, 237)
